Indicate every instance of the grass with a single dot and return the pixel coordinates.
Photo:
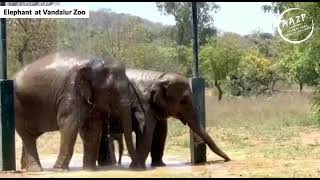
(265, 137)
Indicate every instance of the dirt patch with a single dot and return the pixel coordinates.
(176, 167)
(16, 174)
(310, 137)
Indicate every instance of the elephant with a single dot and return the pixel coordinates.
(119, 138)
(111, 129)
(116, 135)
(167, 94)
(63, 92)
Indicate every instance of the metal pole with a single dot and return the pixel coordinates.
(195, 40)
(197, 84)
(7, 139)
(4, 45)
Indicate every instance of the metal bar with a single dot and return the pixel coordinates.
(7, 144)
(3, 46)
(197, 145)
(195, 40)
(7, 113)
(197, 84)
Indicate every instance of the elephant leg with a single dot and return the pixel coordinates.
(158, 143)
(30, 158)
(23, 158)
(90, 133)
(104, 157)
(112, 153)
(144, 145)
(68, 138)
(104, 152)
(120, 142)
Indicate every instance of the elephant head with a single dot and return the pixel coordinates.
(171, 95)
(106, 87)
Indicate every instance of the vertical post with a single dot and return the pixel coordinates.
(197, 84)
(194, 23)
(7, 115)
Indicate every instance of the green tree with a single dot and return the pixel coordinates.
(300, 61)
(298, 66)
(306, 56)
(160, 58)
(219, 59)
(181, 11)
(255, 75)
(29, 39)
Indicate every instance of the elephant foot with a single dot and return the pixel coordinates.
(34, 168)
(137, 166)
(158, 164)
(89, 167)
(60, 169)
(106, 163)
(23, 164)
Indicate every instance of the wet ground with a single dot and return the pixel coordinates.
(176, 167)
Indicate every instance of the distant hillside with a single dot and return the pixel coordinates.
(105, 18)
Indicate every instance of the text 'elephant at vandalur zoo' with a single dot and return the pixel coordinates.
(62, 92)
(166, 95)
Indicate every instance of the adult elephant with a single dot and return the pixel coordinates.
(169, 95)
(62, 91)
(166, 95)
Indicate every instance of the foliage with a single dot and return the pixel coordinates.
(29, 39)
(234, 64)
(147, 56)
(301, 62)
(182, 14)
(298, 66)
(220, 59)
(255, 75)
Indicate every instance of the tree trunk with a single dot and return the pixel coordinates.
(219, 90)
(180, 34)
(273, 85)
(300, 86)
(22, 51)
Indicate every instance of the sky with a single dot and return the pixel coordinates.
(238, 17)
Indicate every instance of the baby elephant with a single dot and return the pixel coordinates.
(112, 131)
(115, 134)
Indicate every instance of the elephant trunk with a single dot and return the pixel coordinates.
(126, 124)
(207, 139)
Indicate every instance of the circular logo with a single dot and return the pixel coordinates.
(295, 25)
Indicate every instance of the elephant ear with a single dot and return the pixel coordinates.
(83, 82)
(159, 93)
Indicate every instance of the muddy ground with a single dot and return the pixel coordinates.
(180, 166)
(265, 137)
